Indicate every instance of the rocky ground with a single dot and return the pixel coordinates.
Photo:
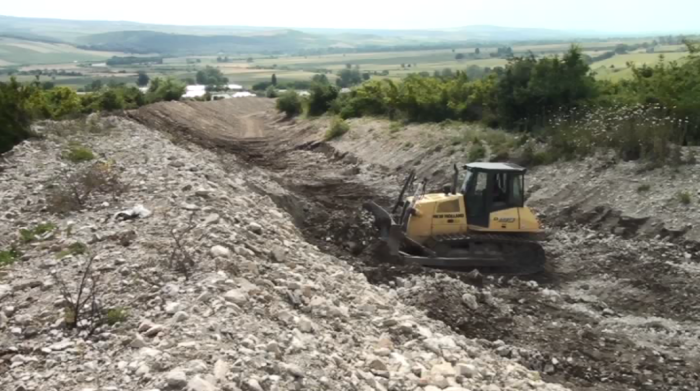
(271, 284)
(189, 276)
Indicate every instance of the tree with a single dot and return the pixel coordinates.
(109, 101)
(366, 76)
(142, 79)
(530, 87)
(271, 92)
(274, 80)
(447, 73)
(289, 103)
(320, 78)
(15, 116)
(94, 86)
(165, 90)
(475, 72)
(211, 76)
(320, 98)
(477, 51)
(348, 78)
(63, 102)
(621, 49)
(459, 56)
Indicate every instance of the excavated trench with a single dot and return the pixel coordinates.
(606, 316)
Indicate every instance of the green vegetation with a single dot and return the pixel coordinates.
(337, 129)
(395, 127)
(271, 92)
(143, 79)
(77, 248)
(212, 77)
(30, 235)
(556, 99)
(21, 103)
(116, 315)
(289, 103)
(684, 197)
(15, 114)
(78, 153)
(164, 90)
(321, 97)
(643, 188)
(477, 152)
(8, 257)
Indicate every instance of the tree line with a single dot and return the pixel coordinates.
(22, 103)
(530, 95)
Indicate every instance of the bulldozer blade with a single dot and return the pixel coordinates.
(382, 218)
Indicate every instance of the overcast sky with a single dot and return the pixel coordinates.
(599, 15)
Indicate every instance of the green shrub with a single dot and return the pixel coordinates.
(271, 92)
(30, 235)
(395, 127)
(477, 152)
(78, 153)
(289, 103)
(167, 89)
(643, 188)
(338, 128)
(116, 315)
(8, 257)
(15, 114)
(77, 248)
(684, 197)
(321, 97)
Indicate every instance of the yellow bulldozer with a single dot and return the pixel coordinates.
(482, 223)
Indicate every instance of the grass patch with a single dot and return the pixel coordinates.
(684, 197)
(116, 315)
(395, 127)
(8, 257)
(30, 235)
(76, 248)
(477, 152)
(338, 128)
(643, 188)
(79, 153)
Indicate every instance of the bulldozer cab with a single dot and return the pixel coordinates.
(491, 187)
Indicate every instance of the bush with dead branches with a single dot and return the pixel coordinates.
(83, 308)
(72, 192)
(182, 258)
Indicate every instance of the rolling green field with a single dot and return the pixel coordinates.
(18, 52)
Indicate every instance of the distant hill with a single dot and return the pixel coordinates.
(202, 40)
(180, 44)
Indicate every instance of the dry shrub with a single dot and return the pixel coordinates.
(82, 307)
(72, 193)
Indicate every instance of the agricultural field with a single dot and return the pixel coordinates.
(18, 52)
(30, 55)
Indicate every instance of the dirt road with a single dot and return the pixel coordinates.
(613, 312)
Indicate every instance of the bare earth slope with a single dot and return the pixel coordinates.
(618, 307)
(212, 287)
(292, 299)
